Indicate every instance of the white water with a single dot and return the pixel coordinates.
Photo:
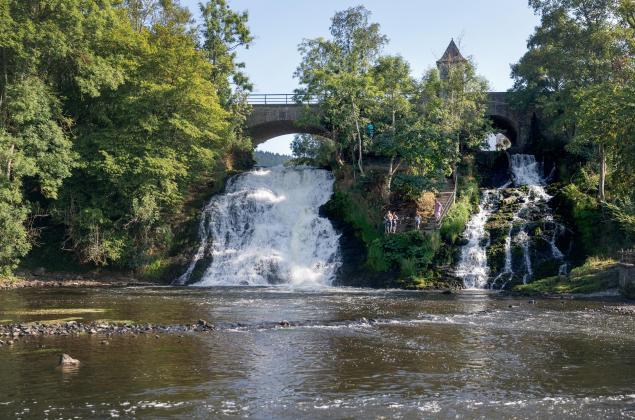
(473, 268)
(265, 229)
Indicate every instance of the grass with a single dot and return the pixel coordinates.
(595, 275)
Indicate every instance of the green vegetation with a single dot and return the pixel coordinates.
(422, 127)
(393, 137)
(263, 158)
(595, 275)
(578, 76)
(458, 216)
(113, 114)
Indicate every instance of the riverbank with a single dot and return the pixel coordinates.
(595, 277)
(43, 279)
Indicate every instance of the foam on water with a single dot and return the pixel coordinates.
(473, 268)
(266, 229)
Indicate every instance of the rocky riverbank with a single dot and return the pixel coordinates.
(41, 278)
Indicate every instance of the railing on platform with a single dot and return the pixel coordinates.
(495, 99)
(280, 99)
(627, 256)
(448, 203)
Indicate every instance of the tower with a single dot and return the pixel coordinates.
(451, 56)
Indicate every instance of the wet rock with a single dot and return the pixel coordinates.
(446, 292)
(66, 361)
(40, 271)
(105, 342)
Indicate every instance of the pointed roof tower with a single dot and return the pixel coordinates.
(452, 55)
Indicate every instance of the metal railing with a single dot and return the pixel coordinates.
(295, 99)
(280, 99)
(627, 256)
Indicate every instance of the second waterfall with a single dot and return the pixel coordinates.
(514, 236)
(266, 229)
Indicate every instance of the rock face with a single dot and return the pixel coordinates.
(525, 239)
(515, 237)
(67, 361)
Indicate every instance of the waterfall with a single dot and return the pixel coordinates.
(528, 199)
(472, 267)
(265, 229)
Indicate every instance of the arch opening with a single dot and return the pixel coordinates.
(260, 133)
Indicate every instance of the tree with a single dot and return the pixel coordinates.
(391, 76)
(142, 147)
(52, 54)
(337, 73)
(455, 110)
(580, 55)
(223, 32)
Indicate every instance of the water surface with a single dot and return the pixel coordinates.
(367, 353)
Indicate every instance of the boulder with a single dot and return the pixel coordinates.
(67, 361)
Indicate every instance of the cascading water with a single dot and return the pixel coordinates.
(265, 229)
(472, 267)
(527, 201)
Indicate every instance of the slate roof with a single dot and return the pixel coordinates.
(451, 54)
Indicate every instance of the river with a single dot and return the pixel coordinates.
(358, 353)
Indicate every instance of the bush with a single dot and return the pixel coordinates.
(597, 233)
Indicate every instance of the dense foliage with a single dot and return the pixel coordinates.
(110, 111)
(413, 131)
(373, 105)
(577, 75)
(264, 158)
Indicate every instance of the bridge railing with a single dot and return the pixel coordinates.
(280, 99)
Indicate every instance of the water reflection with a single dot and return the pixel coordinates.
(423, 354)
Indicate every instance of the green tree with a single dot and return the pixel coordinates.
(337, 73)
(52, 54)
(223, 32)
(142, 147)
(455, 108)
(580, 55)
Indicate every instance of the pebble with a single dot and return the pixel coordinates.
(13, 331)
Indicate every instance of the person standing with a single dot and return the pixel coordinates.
(438, 208)
(417, 221)
(395, 219)
(387, 222)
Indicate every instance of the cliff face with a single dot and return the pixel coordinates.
(525, 241)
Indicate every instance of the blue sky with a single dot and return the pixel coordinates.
(493, 32)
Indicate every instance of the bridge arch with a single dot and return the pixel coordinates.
(506, 126)
(260, 133)
(279, 114)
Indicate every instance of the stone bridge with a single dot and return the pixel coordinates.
(278, 114)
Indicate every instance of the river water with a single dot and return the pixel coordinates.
(360, 354)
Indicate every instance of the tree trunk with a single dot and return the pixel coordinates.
(602, 173)
(392, 170)
(10, 162)
(359, 140)
(455, 173)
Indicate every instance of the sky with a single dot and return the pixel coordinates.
(493, 32)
